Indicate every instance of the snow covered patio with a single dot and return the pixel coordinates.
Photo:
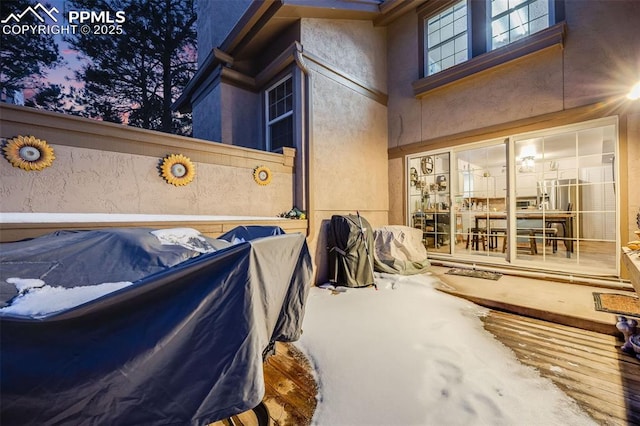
(408, 354)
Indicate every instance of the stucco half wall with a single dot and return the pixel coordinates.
(106, 168)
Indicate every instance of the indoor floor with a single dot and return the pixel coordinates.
(591, 257)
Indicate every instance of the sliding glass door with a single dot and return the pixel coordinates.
(545, 200)
(567, 180)
(429, 199)
(481, 200)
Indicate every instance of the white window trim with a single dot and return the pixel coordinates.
(268, 122)
(467, 34)
(490, 20)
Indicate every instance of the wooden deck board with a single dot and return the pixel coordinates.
(587, 366)
(290, 390)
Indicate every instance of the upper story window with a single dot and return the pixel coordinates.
(279, 113)
(446, 38)
(459, 38)
(512, 20)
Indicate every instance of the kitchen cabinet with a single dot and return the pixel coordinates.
(500, 186)
(526, 185)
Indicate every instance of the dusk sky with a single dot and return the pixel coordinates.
(60, 74)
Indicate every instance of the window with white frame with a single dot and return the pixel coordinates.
(512, 20)
(446, 38)
(279, 114)
(458, 32)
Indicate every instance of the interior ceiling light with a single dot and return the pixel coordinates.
(634, 94)
(528, 164)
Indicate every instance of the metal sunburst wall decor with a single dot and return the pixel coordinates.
(177, 169)
(262, 175)
(28, 153)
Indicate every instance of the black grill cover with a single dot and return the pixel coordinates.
(182, 345)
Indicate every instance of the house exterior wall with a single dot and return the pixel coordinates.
(356, 48)
(206, 115)
(348, 147)
(241, 117)
(215, 21)
(633, 173)
(107, 168)
(596, 67)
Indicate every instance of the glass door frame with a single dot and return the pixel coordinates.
(510, 257)
(449, 228)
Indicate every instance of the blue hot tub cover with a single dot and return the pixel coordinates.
(182, 344)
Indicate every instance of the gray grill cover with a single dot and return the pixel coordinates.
(182, 345)
(350, 242)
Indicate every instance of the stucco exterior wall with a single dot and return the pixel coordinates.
(94, 181)
(215, 20)
(527, 87)
(107, 168)
(403, 66)
(587, 70)
(348, 130)
(356, 48)
(241, 117)
(633, 170)
(349, 160)
(602, 49)
(396, 186)
(206, 117)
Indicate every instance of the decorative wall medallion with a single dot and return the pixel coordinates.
(177, 169)
(28, 153)
(262, 175)
(426, 165)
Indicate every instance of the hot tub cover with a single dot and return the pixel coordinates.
(183, 344)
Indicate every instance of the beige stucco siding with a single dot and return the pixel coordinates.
(403, 66)
(349, 149)
(215, 20)
(356, 48)
(349, 161)
(94, 181)
(348, 128)
(599, 60)
(241, 117)
(396, 186)
(602, 50)
(527, 87)
(633, 170)
(107, 168)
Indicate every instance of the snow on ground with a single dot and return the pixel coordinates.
(408, 354)
(37, 299)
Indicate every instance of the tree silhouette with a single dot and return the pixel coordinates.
(136, 75)
(24, 56)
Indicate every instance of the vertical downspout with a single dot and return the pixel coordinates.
(306, 173)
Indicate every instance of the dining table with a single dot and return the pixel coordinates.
(550, 217)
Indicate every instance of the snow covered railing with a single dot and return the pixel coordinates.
(18, 226)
